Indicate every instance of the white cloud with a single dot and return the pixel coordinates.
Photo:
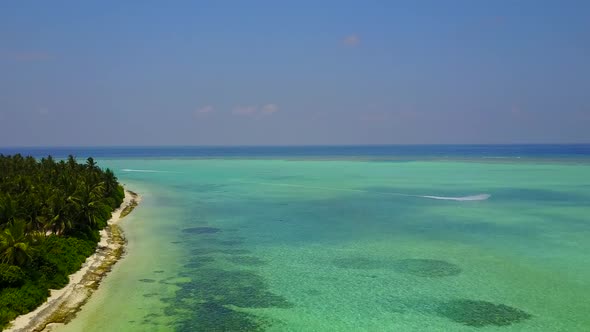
(269, 109)
(352, 40)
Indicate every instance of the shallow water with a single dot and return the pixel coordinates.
(307, 245)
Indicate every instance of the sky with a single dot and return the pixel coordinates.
(127, 73)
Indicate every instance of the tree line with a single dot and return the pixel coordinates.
(50, 215)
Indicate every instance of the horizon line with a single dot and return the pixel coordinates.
(285, 145)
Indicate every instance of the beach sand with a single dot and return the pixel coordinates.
(62, 305)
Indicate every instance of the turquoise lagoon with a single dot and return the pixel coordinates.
(330, 245)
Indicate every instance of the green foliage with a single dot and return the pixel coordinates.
(17, 301)
(11, 276)
(118, 196)
(25, 298)
(58, 257)
(59, 197)
(50, 215)
(16, 244)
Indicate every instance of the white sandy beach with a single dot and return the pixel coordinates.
(63, 303)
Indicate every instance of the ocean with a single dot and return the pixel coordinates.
(351, 238)
(377, 152)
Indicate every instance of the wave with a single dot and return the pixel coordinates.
(478, 197)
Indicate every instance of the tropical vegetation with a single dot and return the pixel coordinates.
(50, 216)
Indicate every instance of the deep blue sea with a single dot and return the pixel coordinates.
(397, 152)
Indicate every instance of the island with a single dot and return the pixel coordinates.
(57, 230)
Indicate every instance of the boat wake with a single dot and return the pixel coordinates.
(479, 197)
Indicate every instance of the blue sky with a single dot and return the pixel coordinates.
(297, 72)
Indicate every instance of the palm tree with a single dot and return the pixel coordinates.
(72, 163)
(111, 187)
(60, 212)
(16, 244)
(8, 209)
(110, 181)
(91, 204)
(90, 163)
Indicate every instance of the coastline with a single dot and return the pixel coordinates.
(62, 304)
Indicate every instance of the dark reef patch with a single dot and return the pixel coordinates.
(201, 230)
(149, 281)
(481, 313)
(197, 262)
(426, 267)
(474, 313)
(239, 288)
(159, 271)
(246, 260)
(213, 317)
(212, 299)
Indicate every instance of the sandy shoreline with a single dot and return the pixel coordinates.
(62, 305)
